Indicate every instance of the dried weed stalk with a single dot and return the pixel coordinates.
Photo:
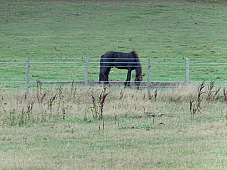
(97, 108)
(195, 107)
(51, 100)
(211, 94)
(155, 94)
(39, 94)
(225, 95)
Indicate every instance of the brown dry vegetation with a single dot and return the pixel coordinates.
(58, 129)
(76, 103)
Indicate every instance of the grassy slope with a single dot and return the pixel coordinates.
(41, 30)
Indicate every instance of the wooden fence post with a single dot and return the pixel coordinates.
(187, 70)
(28, 73)
(149, 78)
(148, 72)
(86, 71)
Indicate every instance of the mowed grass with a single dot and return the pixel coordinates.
(56, 129)
(58, 31)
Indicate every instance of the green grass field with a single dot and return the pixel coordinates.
(53, 31)
(59, 127)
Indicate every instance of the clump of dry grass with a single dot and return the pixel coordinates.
(97, 108)
(195, 107)
(225, 95)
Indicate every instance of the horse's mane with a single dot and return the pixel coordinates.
(139, 63)
(136, 56)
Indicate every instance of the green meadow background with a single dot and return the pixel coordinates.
(167, 32)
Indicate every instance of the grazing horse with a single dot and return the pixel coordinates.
(129, 61)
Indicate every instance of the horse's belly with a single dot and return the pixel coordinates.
(121, 67)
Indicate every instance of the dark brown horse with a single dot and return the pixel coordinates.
(129, 61)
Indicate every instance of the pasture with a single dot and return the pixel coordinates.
(166, 32)
(76, 127)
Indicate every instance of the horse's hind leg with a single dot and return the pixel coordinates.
(102, 74)
(100, 77)
(106, 75)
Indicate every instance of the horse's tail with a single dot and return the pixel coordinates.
(101, 60)
(101, 76)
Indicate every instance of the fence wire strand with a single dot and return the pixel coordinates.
(157, 64)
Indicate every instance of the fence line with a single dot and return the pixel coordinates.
(157, 63)
(187, 71)
(28, 78)
(88, 63)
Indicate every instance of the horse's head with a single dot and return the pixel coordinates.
(138, 68)
(138, 79)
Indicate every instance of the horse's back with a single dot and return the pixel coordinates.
(108, 54)
(114, 54)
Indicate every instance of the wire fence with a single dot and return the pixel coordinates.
(85, 71)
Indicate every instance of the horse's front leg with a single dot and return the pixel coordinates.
(107, 75)
(127, 82)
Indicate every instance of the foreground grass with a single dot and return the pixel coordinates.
(138, 133)
(47, 147)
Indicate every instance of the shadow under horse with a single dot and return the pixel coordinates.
(120, 60)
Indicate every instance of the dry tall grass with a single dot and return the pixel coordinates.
(56, 129)
(62, 104)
